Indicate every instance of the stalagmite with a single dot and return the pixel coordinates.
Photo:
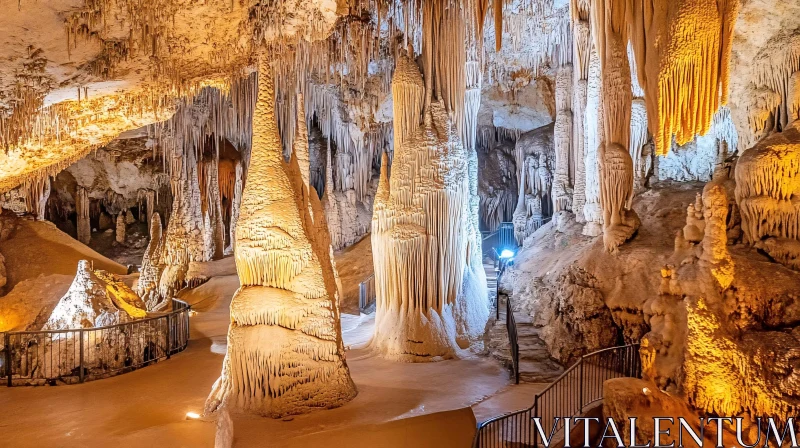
(82, 211)
(152, 267)
(715, 239)
(562, 188)
(285, 352)
(183, 239)
(119, 233)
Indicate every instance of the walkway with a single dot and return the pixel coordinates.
(535, 364)
(147, 407)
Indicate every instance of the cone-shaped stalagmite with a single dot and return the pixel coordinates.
(285, 352)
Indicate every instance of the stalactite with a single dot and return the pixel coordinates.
(82, 212)
(285, 352)
(37, 191)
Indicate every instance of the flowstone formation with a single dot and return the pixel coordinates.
(285, 352)
(723, 327)
(767, 185)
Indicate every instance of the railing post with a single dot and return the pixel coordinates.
(534, 415)
(169, 334)
(580, 387)
(80, 363)
(8, 357)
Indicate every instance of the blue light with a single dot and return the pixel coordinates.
(507, 253)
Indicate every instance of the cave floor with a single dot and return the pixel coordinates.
(147, 407)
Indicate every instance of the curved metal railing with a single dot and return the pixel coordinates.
(85, 354)
(568, 396)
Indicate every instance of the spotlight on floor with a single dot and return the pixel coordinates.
(192, 416)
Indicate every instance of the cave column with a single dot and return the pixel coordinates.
(238, 187)
(183, 239)
(616, 166)
(562, 138)
(581, 52)
(431, 300)
(593, 139)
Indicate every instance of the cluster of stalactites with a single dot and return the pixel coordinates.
(532, 34)
(774, 102)
(682, 51)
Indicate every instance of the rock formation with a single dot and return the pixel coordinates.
(95, 299)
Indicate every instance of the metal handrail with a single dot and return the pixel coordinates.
(513, 339)
(37, 357)
(516, 428)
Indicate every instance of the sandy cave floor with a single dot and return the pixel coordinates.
(147, 407)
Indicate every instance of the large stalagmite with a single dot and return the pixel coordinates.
(431, 301)
(285, 352)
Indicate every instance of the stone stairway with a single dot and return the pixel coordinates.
(491, 280)
(535, 364)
